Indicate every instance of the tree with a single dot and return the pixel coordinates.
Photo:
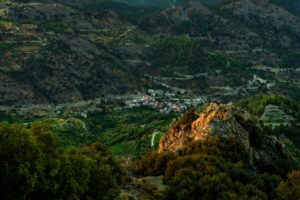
(21, 162)
(34, 166)
(290, 189)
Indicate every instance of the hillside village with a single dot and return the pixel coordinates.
(165, 102)
(161, 100)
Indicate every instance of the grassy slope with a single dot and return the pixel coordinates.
(124, 132)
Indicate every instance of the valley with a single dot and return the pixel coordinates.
(149, 99)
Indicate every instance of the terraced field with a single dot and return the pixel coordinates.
(273, 116)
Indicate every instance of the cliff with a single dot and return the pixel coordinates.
(228, 120)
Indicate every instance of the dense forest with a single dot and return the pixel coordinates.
(217, 169)
(34, 166)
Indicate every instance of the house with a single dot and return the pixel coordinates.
(169, 95)
(155, 93)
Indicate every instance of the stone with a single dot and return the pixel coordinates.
(228, 120)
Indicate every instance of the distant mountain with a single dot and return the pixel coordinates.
(156, 3)
(79, 50)
(197, 20)
(58, 60)
(163, 3)
(273, 23)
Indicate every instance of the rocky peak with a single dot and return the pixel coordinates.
(216, 119)
(228, 120)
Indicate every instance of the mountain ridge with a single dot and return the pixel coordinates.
(128, 52)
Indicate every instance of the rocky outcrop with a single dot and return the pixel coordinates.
(228, 120)
(215, 120)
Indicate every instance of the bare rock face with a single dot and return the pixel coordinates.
(227, 120)
(215, 120)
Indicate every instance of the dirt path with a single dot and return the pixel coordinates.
(153, 138)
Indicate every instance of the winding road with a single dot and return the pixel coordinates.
(153, 138)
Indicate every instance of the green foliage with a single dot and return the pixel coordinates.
(33, 164)
(289, 189)
(124, 132)
(4, 47)
(186, 52)
(187, 55)
(267, 183)
(21, 162)
(256, 104)
(57, 27)
(129, 131)
(216, 168)
(228, 148)
(290, 59)
(178, 51)
(153, 164)
(191, 184)
(72, 131)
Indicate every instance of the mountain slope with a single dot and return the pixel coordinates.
(60, 60)
(274, 23)
(53, 52)
(197, 20)
(164, 3)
